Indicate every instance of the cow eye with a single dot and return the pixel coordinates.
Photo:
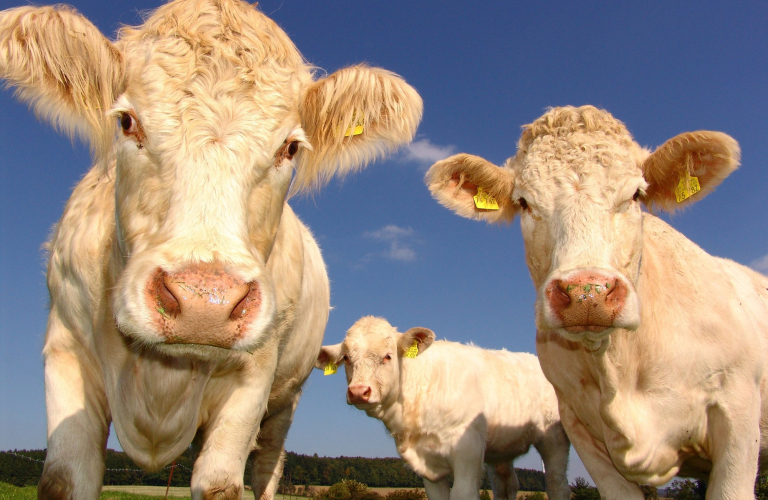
(636, 195)
(523, 203)
(345, 358)
(128, 123)
(292, 149)
(387, 358)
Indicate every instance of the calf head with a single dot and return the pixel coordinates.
(201, 116)
(372, 354)
(577, 182)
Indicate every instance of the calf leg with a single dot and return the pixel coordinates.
(270, 453)
(554, 448)
(439, 490)
(467, 463)
(503, 480)
(611, 484)
(78, 422)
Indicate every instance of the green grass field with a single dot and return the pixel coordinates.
(8, 492)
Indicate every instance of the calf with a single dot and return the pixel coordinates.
(453, 407)
(188, 301)
(656, 349)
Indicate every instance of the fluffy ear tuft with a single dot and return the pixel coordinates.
(422, 336)
(329, 354)
(64, 67)
(708, 156)
(454, 183)
(352, 117)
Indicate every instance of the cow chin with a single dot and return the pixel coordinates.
(196, 351)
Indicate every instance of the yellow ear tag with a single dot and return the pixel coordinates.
(412, 351)
(484, 200)
(358, 128)
(330, 369)
(687, 187)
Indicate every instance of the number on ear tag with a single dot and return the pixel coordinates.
(687, 187)
(485, 201)
(412, 351)
(330, 368)
(357, 129)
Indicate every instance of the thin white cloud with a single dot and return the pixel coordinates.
(760, 265)
(425, 153)
(389, 233)
(395, 236)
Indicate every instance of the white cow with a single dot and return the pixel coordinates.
(453, 407)
(656, 349)
(188, 301)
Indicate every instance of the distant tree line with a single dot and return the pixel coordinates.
(302, 470)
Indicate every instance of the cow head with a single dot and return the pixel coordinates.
(577, 182)
(201, 116)
(372, 354)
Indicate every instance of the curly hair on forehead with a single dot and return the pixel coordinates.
(567, 120)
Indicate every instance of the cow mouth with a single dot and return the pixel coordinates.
(577, 329)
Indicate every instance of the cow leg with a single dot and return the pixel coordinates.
(503, 480)
(439, 490)
(270, 452)
(611, 484)
(230, 434)
(467, 462)
(735, 435)
(78, 422)
(554, 448)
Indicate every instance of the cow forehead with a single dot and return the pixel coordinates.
(213, 71)
(576, 150)
(370, 335)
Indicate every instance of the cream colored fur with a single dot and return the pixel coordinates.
(682, 391)
(455, 406)
(191, 118)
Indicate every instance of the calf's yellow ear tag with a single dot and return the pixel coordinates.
(357, 129)
(412, 351)
(330, 368)
(687, 187)
(484, 200)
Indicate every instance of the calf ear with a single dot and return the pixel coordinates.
(422, 336)
(352, 117)
(329, 354)
(708, 156)
(454, 182)
(64, 67)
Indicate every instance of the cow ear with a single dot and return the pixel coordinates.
(688, 167)
(64, 67)
(329, 354)
(423, 337)
(352, 117)
(454, 182)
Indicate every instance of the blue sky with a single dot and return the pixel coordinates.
(483, 70)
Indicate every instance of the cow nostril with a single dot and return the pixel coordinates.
(250, 300)
(167, 303)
